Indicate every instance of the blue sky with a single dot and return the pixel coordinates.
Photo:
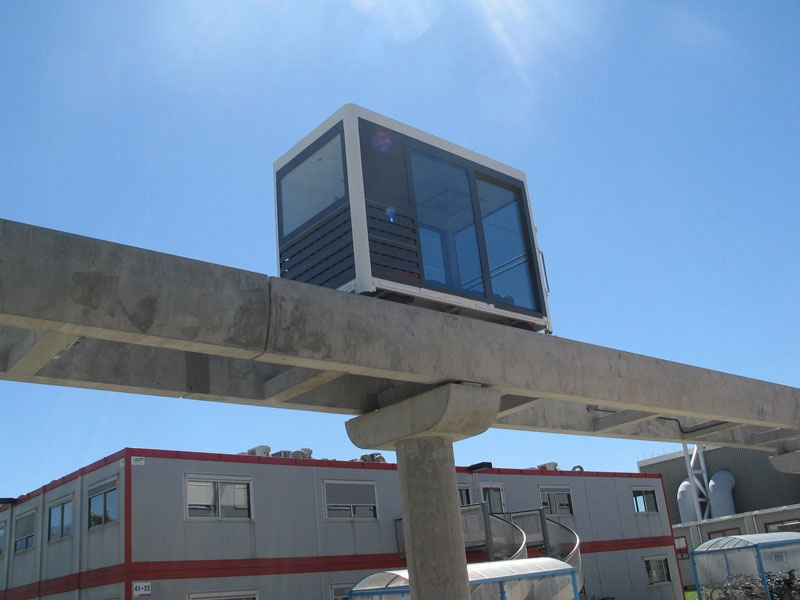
(661, 143)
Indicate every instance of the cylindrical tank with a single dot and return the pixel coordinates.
(720, 494)
(686, 506)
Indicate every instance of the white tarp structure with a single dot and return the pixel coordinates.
(525, 579)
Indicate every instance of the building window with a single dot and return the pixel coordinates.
(339, 591)
(657, 570)
(724, 532)
(103, 504)
(681, 547)
(493, 497)
(2, 538)
(312, 186)
(350, 500)
(644, 501)
(218, 498)
(464, 497)
(61, 520)
(556, 501)
(24, 532)
(790, 525)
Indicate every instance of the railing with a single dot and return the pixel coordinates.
(511, 534)
(554, 539)
(505, 540)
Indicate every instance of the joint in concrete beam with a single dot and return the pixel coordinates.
(454, 411)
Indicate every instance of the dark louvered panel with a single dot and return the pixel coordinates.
(323, 253)
(393, 249)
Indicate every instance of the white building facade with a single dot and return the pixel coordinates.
(196, 526)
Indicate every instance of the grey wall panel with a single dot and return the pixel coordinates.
(758, 484)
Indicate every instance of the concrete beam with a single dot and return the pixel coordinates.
(788, 462)
(28, 351)
(606, 422)
(453, 412)
(514, 361)
(295, 381)
(53, 280)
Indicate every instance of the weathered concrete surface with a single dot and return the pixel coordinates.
(422, 430)
(453, 412)
(437, 563)
(83, 312)
(50, 280)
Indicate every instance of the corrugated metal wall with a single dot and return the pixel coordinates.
(758, 484)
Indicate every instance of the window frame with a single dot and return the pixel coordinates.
(308, 152)
(61, 505)
(553, 491)
(337, 588)
(476, 171)
(353, 517)
(103, 489)
(774, 526)
(663, 560)
(643, 492)
(718, 533)
(29, 538)
(218, 480)
(493, 486)
(682, 552)
(2, 538)
(461, 495)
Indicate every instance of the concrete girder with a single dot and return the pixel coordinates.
(237, 336)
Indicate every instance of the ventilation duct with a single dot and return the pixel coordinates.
(720, 494)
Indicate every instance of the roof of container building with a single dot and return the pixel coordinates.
(741, 542)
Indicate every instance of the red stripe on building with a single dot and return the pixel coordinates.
(200, 569)
(626, 544)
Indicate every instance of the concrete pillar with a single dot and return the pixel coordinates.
(422, 431)
(437, 563)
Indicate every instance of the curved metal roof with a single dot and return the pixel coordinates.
(478, 573)
(740, 542)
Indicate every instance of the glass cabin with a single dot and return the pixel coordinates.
(370, 205)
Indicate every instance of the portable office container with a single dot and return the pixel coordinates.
(369, 205)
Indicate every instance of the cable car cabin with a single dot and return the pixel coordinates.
(370, 205)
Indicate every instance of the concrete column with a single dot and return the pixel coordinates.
(422, 431)
(437, 563)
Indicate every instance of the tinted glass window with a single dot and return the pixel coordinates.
(96, 510)
(312, 186)
(444, 207)
(384, 165)
(509, 264)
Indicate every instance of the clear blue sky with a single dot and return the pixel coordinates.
(661, 143)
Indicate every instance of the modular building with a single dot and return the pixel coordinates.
(195, 526)
(744, 495)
